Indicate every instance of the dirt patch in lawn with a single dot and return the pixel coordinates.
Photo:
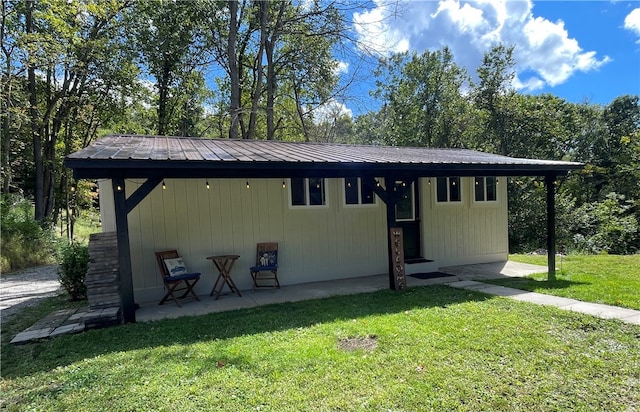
(362, 343)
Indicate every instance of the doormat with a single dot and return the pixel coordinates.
(430, 275)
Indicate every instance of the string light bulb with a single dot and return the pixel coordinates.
(119, 188)
(164, 186)
(247, 184)
(207, 184)
(284, 185)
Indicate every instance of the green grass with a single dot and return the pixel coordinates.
(437, 349)
(609, 279)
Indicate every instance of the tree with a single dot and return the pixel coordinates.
(169, 39)
(278, 63)
(72, 53)
(422, 99)
(492, 95)
(13, 112)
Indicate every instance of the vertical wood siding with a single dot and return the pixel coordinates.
(470, 232)
(315, 244)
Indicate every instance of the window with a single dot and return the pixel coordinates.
(406, 206)
(355, 193)
(485, 189)
(307, 191)
(448, 190)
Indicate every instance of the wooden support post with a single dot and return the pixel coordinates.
(123, 206)
(551, 226)
(390, 196)
(124, 252)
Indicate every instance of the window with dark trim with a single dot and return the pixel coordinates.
(406, 206)
(485, 189)
(356, 193)
(448, 190)
(307, 191)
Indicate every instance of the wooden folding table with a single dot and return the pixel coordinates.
(224, 263)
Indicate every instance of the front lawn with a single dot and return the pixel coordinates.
(609, 279)
(428, 348)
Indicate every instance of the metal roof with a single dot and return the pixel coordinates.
(165, 156)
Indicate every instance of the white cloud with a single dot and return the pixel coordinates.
(470, 28)
(531, 84)
(330, 110)
(341, 68)
(375, 30)
(632, 22)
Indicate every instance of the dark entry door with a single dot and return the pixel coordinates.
(408, 219)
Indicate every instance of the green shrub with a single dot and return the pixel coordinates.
(24, 242)
(607, 226)
(74, 263)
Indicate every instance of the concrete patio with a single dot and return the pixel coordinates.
(150, 311)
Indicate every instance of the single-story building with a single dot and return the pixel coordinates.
(329, 206)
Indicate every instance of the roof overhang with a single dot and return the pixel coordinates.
(122, 156)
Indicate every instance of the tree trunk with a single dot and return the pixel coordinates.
(272, 81)
(35, 128)
(234, 74)
(271, 91)
(300, 111)
(6, 129)
(258, 72)
(163, 93)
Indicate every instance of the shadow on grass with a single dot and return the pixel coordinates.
(48, 354)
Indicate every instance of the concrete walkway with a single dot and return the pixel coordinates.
(594, 309)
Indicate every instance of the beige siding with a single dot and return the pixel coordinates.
(315, 244)
(463, 233)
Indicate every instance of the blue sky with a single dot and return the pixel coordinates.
(577, 50)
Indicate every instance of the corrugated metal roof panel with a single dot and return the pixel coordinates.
(149, 152)
(193, 149)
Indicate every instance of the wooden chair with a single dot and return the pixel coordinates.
(175, 276)
(266, 268)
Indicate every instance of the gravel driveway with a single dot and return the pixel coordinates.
(26, 288)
